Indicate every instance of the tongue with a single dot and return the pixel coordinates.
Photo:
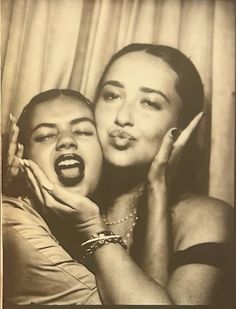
(70, 172)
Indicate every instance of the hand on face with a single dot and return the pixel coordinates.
(137, 104)
(63, 142)
(15, 151)
(82, 213)
(167, 159)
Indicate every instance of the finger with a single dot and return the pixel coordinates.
(185, 136)
(12, 122)
(167, 145)
(13, 126)
(38, 179)
(39, 174)
(187, 132)
(20, 150)
(13, 162)
(64, 197)
(34, 184)
(53, 204)
(12, 146)
(55, 191)
(158, 167)
(180, 144)
(44, 184)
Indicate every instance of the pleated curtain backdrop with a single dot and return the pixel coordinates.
(66, 44)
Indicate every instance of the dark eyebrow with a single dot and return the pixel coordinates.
(52, 125)
(150, 90)
(113, 83)
(48, 125)
(82, 119)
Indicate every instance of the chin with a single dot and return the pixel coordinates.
(79, 189)
(121, 161)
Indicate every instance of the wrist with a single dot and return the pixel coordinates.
(98, 240)
(91, 227)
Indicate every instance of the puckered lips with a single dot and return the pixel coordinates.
(70, 169)
(121, 139)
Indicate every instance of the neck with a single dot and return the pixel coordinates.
(120, 185)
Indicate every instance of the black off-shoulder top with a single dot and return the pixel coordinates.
(211, 253)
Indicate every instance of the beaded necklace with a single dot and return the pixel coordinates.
(132, 214)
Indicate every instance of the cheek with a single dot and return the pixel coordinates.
(104, 115)
(39, 155)
(152, 134)
(103, 124)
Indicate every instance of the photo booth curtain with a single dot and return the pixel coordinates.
(66, 44)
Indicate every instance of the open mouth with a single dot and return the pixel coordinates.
(69, 169)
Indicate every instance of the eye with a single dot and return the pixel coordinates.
(151, 104)
(44, 137)
(110, 96)
(83, 132)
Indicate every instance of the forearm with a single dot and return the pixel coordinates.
(120, 279)
(156, 251)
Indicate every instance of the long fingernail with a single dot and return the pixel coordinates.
(48, 186)
(26, 162)
(21, 161)
(12, 118)
(174, 133)
(202, 114)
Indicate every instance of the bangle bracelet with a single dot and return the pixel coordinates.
(98, 240)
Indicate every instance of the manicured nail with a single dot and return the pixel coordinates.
(202, 114)
(174, 133)
(48, 186)
(12, 118)
(26, 162)
(21, 161)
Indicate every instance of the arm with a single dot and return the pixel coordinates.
(157, 240)
(197, 220)
(189, 284)
(36, 268)
(119, 279)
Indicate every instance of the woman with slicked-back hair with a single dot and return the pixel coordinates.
(147, 110)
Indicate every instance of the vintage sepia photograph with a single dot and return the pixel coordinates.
(118, 136)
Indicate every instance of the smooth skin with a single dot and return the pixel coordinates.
(153, 293)
(146, 105)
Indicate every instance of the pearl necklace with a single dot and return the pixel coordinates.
(130, 230)
(132, 214)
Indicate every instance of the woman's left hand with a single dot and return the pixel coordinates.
(81, 212)
(156, 250)
(167, 159)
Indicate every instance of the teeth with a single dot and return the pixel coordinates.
(68, 162)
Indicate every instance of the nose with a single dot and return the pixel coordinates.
(66, 141)
(125, 116)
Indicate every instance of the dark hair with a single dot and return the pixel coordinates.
(45, 96)
(189, 85)
(190, 89)
(18, 185)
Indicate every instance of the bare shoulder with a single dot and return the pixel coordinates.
(197, 219)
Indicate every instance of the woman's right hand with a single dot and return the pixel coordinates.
(15, 151)
(80, 211)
